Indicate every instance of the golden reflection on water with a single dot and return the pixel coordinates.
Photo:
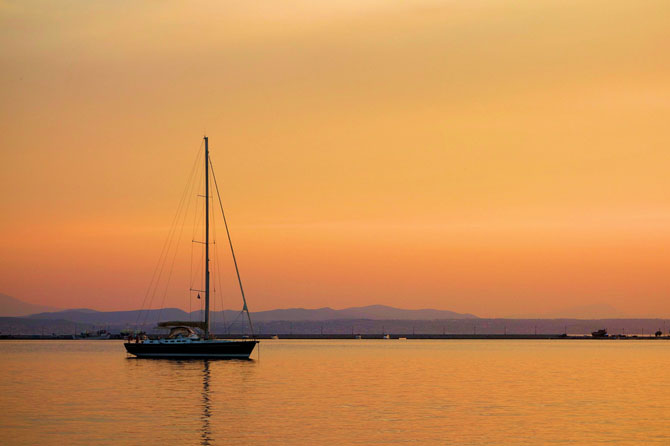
(206, 406)
(340, 392)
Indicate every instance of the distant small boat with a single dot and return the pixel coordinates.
(599, 333)
(359, 337)
(274, 337)
(98, 335)
(402, 339)
(387, 337)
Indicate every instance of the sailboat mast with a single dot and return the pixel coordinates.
(206, 237)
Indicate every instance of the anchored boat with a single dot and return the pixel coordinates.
(189, 339)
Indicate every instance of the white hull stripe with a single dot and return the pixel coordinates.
(204, 355)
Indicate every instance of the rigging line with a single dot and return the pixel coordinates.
(232, 251)
(156, 284)
(158, 266)
(223, 306)
(196, 220)
(218, 272)
(200, 286)
(174, 257)
(187, 191)
(167, 284)
(212, 261)
(217, 265)
(170, 244)
(192, 276)
(200, 271)
(161, 259)
(235, 321)
(214, 275)
(150, 286)
(173, 227)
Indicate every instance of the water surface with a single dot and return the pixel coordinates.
(344, 392)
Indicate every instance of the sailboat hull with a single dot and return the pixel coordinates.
(193, 350)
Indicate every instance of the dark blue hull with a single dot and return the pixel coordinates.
(194, 350)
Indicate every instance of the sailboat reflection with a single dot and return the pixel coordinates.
(205, 435)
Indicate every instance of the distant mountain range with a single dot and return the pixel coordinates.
(372, 312)
(12, 307)
(369, 319)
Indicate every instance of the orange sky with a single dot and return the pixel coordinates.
(494, 157)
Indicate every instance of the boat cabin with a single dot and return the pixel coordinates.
(182, 332)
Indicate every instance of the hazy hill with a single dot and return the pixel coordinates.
(12, 307)
(373, 312)
(27, 326)
(114, 317)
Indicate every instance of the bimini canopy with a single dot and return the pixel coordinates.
(185, 332)
(168, 324)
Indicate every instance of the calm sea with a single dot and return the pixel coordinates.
(386, 392)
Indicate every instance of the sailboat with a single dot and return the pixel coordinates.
(193, 339)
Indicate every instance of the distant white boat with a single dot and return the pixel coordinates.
(100, 334)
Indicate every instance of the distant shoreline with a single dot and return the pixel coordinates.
(374, 336)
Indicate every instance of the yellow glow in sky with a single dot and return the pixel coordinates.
(493, 157)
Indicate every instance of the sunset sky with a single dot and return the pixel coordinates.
(496, 157)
